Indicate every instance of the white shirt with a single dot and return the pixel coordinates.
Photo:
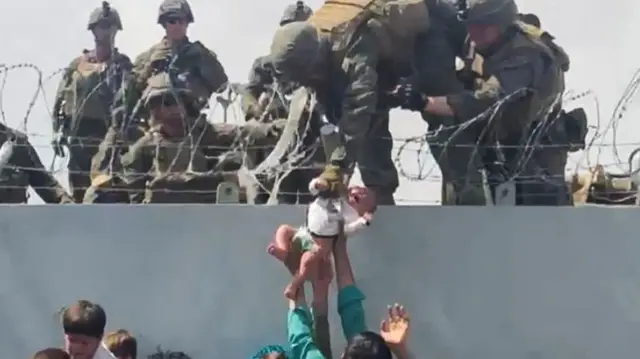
(324, 216)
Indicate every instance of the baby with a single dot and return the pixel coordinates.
(325, 215)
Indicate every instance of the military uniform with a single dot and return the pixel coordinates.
(435, 75)
(82, 110)
(190, 62)
(22, 168)
(343, 52)
(261, 73)
(294, 188)
(166, 167)
(530, 70)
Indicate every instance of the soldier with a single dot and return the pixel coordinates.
(260, 76)
(351, 52)
(177, 160)
(82, 110)
(436, 76)
(21, 167)
(176, 54)
(522, 74)
(255, 98)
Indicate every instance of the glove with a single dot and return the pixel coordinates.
(409, 98)
(333, 176)
(58, 143)
(469, 69)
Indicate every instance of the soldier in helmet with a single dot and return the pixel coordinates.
(21, 167)
(255, 98)
(453, 150)
(261, 74)
(351, 54)
(175, 54)
(82, 110)
(177, 159)
(517, 92)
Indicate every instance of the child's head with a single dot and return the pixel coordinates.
(122, 344)
(271, 352)
(51, 353)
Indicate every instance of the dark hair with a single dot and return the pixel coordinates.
(85, 318)
(51, 353)
(367, 345)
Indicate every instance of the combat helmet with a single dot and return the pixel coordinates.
(174, 7)
(104, 13)
(498, 12)
(294, 49)
(161, 84)
(296, 12)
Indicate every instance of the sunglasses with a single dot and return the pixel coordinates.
(176, 20)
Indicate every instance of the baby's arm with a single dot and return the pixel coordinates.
(353, 221)
(314, 185)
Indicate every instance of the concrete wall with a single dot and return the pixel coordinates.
(497, 283)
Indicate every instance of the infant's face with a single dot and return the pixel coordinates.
(355, 195)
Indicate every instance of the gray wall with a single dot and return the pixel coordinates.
(498, 283)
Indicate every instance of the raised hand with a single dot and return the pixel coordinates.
(395, 328)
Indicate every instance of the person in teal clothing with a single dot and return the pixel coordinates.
(360, 342)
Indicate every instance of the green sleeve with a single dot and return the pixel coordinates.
(299, 330)
(351, 311)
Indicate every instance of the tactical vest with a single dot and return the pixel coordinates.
(395, 23)
(185, 64)
(86, 94)
(546, 88)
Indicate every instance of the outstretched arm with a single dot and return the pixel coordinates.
(299, 328)
(350, 297)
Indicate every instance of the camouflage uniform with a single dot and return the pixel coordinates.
(436, 76)
(349, 99)
(162, 167)
(295, 188)
(188, 61)
(260, 76)
(82, 110)
(22, 169)
(530, 69)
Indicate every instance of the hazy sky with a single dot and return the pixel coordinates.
(50, 34)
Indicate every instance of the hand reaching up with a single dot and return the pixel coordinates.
(395, 329)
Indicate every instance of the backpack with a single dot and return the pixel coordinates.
(395, 23)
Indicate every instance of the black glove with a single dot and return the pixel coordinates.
(58, 143)
(409, 98)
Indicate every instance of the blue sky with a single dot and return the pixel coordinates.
(598, 37)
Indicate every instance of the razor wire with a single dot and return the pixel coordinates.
(288, 156)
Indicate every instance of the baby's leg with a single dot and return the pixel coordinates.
(281, 244)
(308, 264)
